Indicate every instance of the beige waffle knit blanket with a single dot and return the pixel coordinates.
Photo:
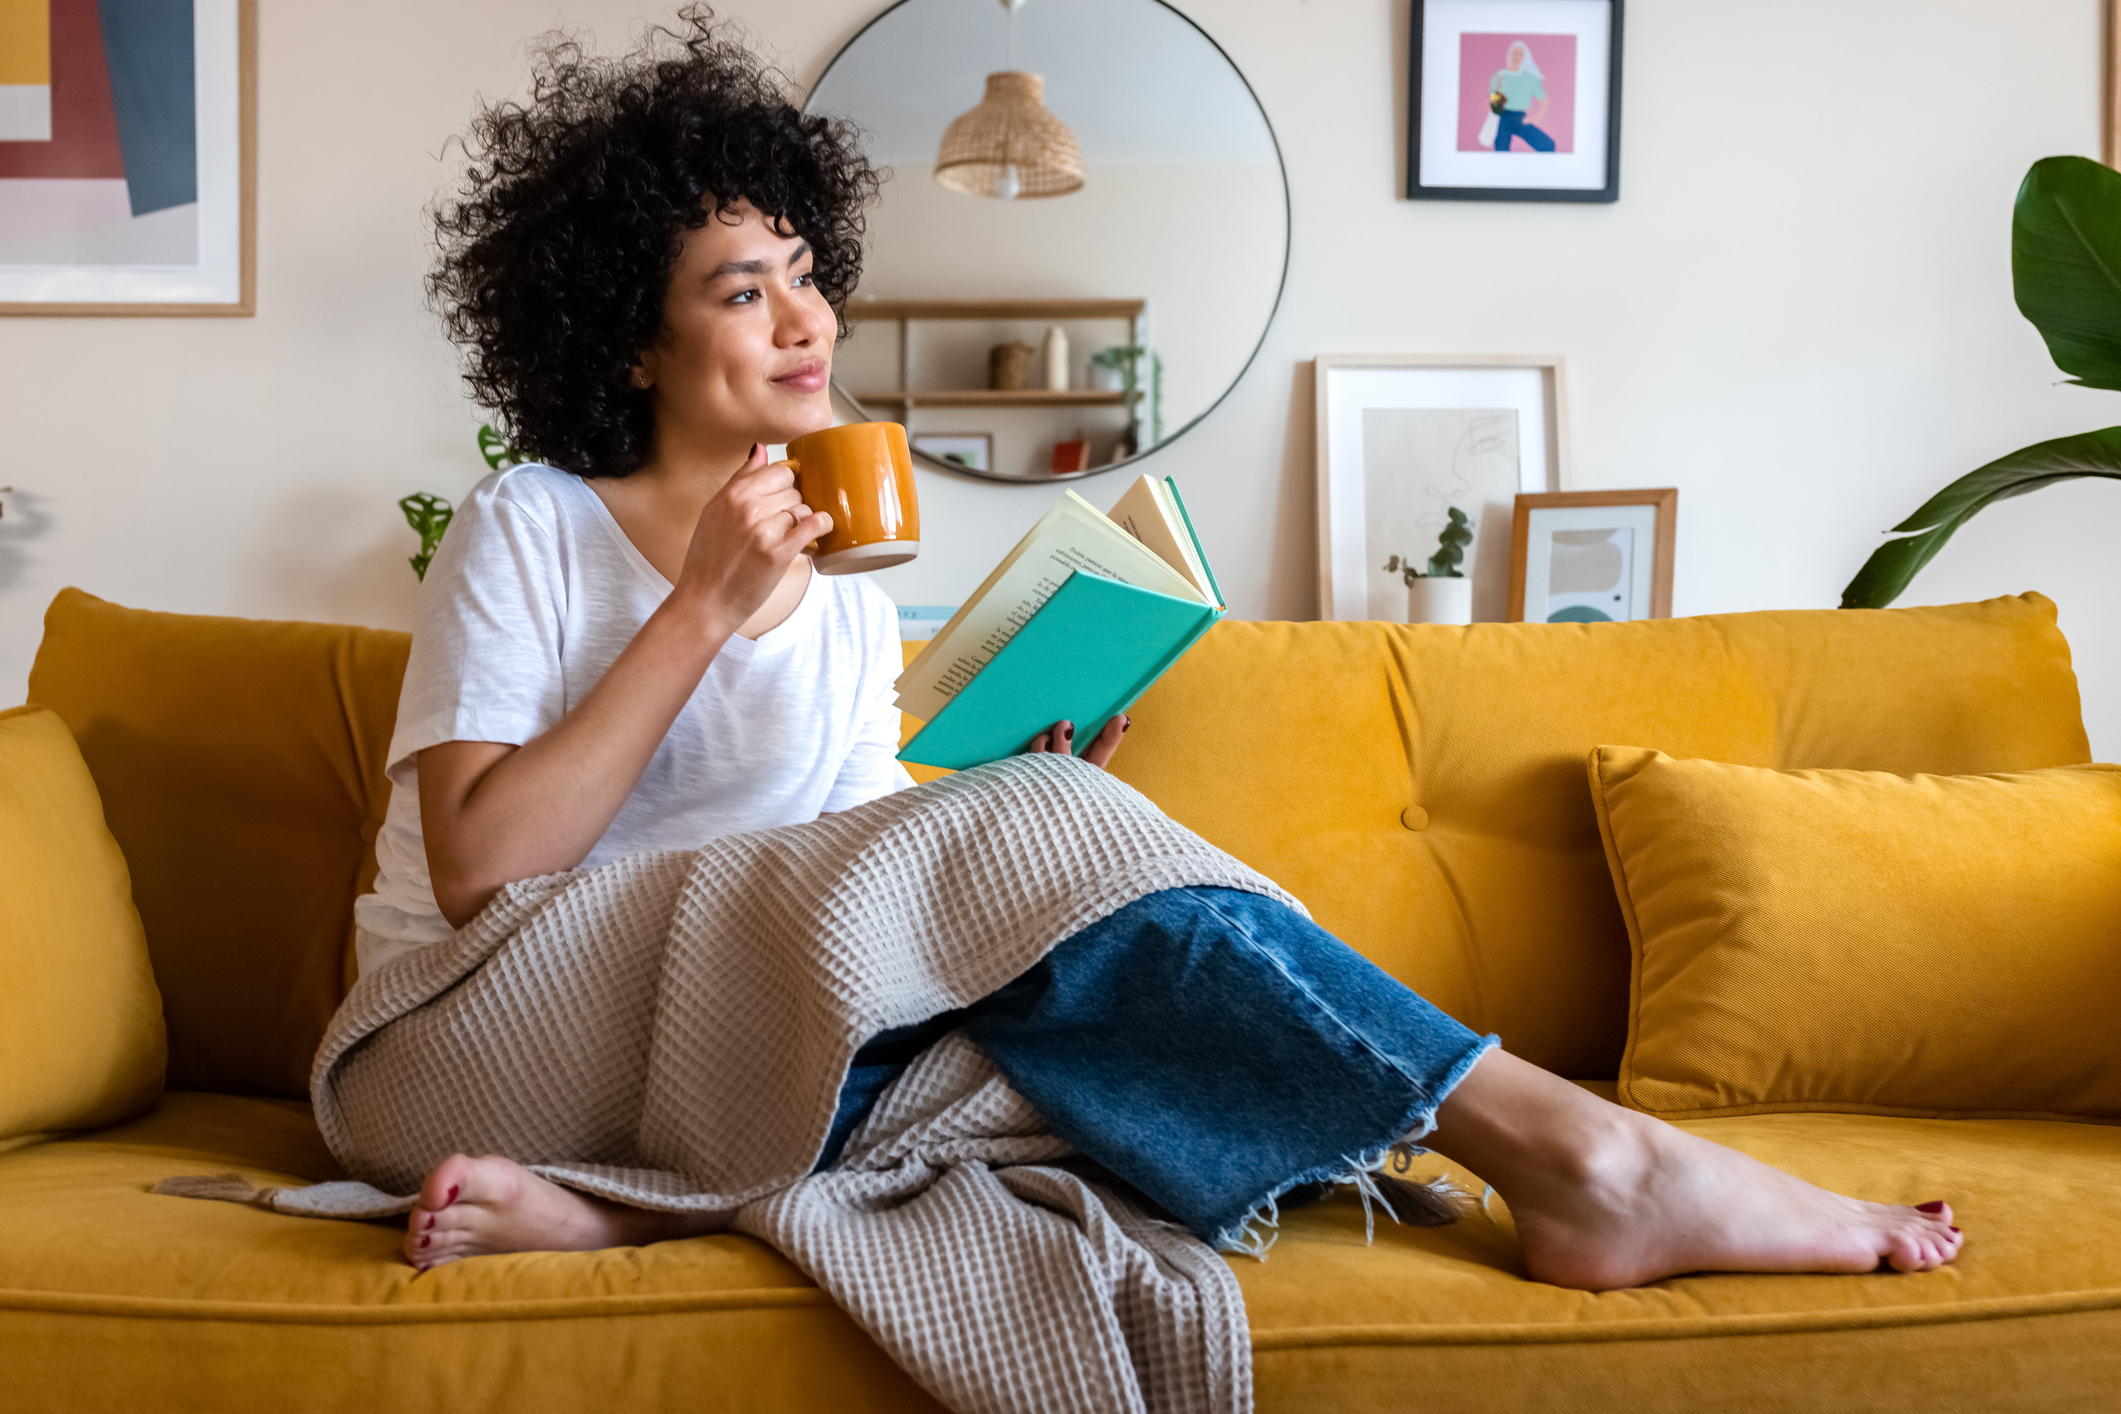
(672, 1030)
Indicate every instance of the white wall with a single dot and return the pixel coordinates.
(1799, 313)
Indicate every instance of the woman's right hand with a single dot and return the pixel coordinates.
(747, 536)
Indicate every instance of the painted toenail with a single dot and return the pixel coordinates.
(1934, 1207)
(1955, 1229)
(425, 1239)
(455, 1188)
(430, 1220)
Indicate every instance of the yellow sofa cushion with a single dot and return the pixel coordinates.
(241, 766)
(1862, 942)
(133, 1301)
(81, 1040)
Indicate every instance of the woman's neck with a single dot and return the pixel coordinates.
(690, 470)
(659, 505)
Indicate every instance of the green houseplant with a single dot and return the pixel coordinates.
(2066, 274)
(429, 515)
(1442, 595)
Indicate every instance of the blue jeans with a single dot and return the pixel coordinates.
(1514, 125)
(1211, 1047)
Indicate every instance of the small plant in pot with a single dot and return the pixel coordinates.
(1442, 594)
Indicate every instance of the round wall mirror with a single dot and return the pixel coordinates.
(1082, 234)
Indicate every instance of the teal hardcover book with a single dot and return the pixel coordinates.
(1085, 656)
(1074, 624)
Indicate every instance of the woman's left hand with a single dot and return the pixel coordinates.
(1061, 738)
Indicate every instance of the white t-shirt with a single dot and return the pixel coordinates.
(533, 593)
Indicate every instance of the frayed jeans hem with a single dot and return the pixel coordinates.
(1255, 1232)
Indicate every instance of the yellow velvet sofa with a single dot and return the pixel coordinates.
(1422, 789)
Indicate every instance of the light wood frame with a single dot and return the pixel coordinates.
(986, 437)
(1664, 498)
(1323, 366)
(2110, 80)
(247, 158)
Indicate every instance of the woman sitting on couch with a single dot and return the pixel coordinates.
(621, 648)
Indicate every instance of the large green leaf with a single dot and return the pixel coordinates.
(2066, 265)
(1887, 572)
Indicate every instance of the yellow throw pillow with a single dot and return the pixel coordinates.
(1864, 942)
(81, 1040)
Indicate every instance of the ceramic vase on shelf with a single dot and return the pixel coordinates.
(1056, 359)
(1440, 599)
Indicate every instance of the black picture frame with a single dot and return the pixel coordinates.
(1610, 192)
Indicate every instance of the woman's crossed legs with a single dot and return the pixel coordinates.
(1215, 1048)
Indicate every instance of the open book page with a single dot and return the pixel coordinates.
(1146, 512)
(1073, 535)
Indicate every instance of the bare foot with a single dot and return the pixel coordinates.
(1605, 1197)
(477, 1207)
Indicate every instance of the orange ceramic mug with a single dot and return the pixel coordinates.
(862, 475)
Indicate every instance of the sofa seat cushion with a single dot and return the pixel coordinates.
(130, 1298)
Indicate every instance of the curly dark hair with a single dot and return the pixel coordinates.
(555, 255)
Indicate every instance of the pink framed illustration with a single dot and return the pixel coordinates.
(1514, 100)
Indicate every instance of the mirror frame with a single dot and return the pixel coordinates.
(1281, 280)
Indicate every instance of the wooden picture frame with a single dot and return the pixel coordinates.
(963, 451)
(227, 200)
(1632, 582)
(2110, 84)
(1448, 161)
(1350, 389)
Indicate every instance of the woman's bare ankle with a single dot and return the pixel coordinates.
(1605, 1197)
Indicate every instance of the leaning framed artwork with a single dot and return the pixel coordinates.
(1514, 100)
(127, 156)
(974, 451)
(1401, 440)
(1588, 557)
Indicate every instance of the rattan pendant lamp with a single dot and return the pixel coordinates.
(1010, 146)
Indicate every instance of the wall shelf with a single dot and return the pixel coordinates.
(903, 309)
(995, 398)
(907, 313)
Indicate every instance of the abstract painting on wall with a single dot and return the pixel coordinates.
(126, 156)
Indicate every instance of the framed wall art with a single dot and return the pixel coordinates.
(974, 451)
(2110, 84)
(1514, 100)
(1589, 557)
(1402, 438)
(127, 156)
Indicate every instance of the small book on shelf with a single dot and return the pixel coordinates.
(1076, 622)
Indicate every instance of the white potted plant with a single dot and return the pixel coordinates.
(1443, 595)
